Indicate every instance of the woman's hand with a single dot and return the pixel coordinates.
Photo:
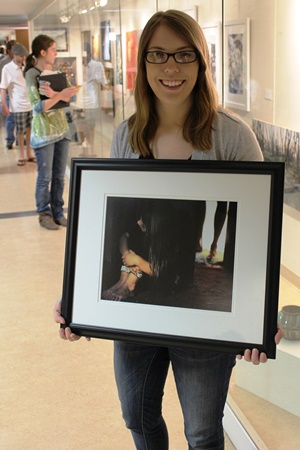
(64, 95)
(64, 333)
(254, 356)
(130, 258)
(67, 93)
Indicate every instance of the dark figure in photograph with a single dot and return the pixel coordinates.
(219, 220)
(177, 117)
(160, 246)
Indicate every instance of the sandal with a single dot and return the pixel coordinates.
(32, 159)
(21, 162)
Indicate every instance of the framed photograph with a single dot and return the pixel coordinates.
(95, 46)
(142, 264)
(105, 42)
(282, 144)
(86, 43)
(237, 64)
(60, 35)
(212, 33)
(132, 42)
(108, 100)
(119, 69)
(67, 64)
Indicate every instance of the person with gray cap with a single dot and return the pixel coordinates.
(10, 120)
(13, 83)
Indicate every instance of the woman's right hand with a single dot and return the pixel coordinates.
(67, 93)
(64, 333)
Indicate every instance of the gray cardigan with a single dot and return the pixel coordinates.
(233, 140)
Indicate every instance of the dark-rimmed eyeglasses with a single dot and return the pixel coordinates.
(183, 57)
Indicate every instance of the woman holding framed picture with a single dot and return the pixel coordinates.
(177, 117)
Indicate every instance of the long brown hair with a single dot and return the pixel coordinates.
(39, 43)
(197, 128)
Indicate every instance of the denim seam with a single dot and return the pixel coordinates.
(146, 377)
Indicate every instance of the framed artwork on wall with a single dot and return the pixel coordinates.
(86, 42)
(119, 59)
(282, 144)
(212, 33)
(108, 101)
(105, 42)
(168, 304)
(68, 65)
(95, 47)
(60, 35)
(237, 64)
(132, 40)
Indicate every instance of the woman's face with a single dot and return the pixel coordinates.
(51, 54)
(171, 82)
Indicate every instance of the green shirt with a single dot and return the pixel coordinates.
(47, 127)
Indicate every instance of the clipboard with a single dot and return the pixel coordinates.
(58, 82)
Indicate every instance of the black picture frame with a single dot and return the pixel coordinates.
(105, 193)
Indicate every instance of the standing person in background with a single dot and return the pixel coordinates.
(10, 120)
(93, 77)
(49, 135)
(177, 117)
(13, 84)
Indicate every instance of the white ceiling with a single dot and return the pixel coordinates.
(19, 12)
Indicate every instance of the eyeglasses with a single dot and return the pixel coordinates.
(183, 57)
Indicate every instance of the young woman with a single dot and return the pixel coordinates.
(177, 116)
(49, 135)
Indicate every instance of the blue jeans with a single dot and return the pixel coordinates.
(10, 125)
(202, 380)
(51, 166)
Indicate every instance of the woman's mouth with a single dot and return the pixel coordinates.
(172, 83)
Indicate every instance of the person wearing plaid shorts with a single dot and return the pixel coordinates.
(13, 82)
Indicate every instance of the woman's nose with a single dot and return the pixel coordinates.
(171, 65)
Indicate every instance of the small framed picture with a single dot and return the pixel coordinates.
(60, 36)
(174, 253)
(237, 64)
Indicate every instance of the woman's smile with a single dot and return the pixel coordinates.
(172, 83)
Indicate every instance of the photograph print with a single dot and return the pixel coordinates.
(237, 63)
(169, 252)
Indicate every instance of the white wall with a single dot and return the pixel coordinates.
(287, 64)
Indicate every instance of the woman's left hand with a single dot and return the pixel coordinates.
(130, 258)
(47, 90)
(254, 356)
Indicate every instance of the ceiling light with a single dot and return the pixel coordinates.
(64, 18)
